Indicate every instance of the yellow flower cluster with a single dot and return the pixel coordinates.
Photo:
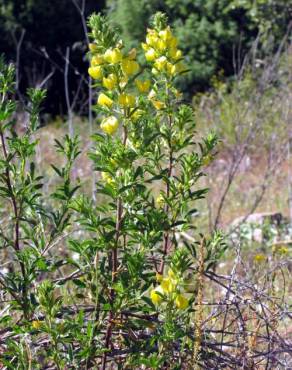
(168, 288)
(114, 68)
(112, 57)
(161, 49)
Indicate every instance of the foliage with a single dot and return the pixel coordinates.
(251, 116)
(48, 29)
(209, 31)
(270, 17)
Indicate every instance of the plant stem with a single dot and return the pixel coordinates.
(113, 261)
(17, 225)
(166, 241)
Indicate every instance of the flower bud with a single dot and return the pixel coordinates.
(92, 47)
(160, 201)
(181, 302)
(145, 47)
(159, 277)
(137, 114)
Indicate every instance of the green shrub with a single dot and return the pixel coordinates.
(119, 284)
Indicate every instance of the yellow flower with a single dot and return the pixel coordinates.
(158, 104)
(172, 43)
(166, 34)
(177, 94)
(167, 285)
(152, 38)
(161, 45)
(107, 178)
(109, 125)
(113, 56)
(145, 47)
(177, 55)
(160, 63)
(207, 160)
(152, 94)
(150, 55)
(171, 274)
(104, 100)
(132, 54)
(36, 324)
(92, 47)
(283, 250)
(159, 277)
(155, 295)
(97, 60)
(95, 72)
(129, 67)
(113, 162)
(154, 71)
(181, 302)
(143, 86)
(110, 82)
(259, 258)
(170, 68)
(126, 100)
(123, 81)
(160, 201)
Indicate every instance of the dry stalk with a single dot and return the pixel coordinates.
(199, 306)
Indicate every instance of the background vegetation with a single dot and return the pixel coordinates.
(214, 34)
